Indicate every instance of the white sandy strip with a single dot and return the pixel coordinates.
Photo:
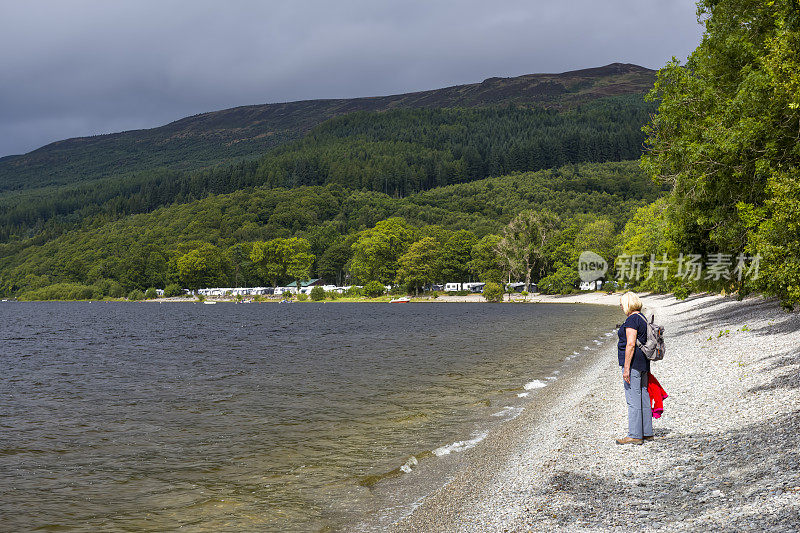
(556, 467)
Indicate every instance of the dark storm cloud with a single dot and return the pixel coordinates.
(86, 67)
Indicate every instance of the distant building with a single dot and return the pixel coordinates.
(519, 286)
(308, 283)
(235, 291)
(591, 285)
(476, 287)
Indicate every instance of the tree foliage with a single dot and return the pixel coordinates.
(352, 235)
(398, 152)
(282, 260)
(524, 240)
(317, 294)
(377, 250)
(493, 292)
(200, 267)
(373, 289)
(725, 139)
(419, 266)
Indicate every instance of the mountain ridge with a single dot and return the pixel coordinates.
(232, 134)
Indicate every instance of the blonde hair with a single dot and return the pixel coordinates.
(630, 302)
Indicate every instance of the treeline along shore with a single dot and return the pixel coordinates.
(726, 452)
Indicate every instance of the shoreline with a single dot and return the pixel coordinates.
(597, 297)
(726, 454)
(403, 489)
(591, 298)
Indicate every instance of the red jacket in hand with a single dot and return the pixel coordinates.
(657, 395)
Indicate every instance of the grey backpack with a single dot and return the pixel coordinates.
(654, 348)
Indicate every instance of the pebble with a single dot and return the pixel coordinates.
(726, 454)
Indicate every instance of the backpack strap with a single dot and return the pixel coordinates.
(638, 343)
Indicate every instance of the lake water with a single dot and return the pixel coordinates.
(154, 417)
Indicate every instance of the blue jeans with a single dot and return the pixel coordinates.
(640, 417)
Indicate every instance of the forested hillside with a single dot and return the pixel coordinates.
(246, 132)
(402, 189)
(397, 152)
(147, 250)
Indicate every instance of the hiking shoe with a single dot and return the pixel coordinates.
(648, 438)
(629, 440)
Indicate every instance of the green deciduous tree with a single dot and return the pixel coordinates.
(493, 292)
(373, 289)
(241, 266)
(485, 263)
(524, 240)
(726, 138)
(300, 260)
(317, 294)
(456, 253)
(598, 236)
(271, 258)
(419, 265)
(649, 235)
(283, 259)
(135, 295)
(377, 250)
(201, 267)
(172, 290)
(332, 264)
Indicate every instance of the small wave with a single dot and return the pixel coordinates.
(597, 342)
(459, 446)
(373, 479)
(586, 348)
(576, 353)
(609, 334)
(408, 465)
(535, 384)
(556, 372)
(509, 412)
(523, 394)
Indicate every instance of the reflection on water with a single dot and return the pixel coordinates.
(252, 417)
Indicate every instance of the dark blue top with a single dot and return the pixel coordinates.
(637, 322)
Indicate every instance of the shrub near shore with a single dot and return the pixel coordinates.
(493, 292)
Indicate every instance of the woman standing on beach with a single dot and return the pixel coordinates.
(635, 370)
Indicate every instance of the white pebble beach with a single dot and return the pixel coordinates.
(725, 455)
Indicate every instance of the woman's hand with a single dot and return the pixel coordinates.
(626, 375)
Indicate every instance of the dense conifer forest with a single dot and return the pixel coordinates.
(397, 152)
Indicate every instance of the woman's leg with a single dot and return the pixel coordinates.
(647, 412)
(633, 397)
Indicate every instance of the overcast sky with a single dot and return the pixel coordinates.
(82, 67)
